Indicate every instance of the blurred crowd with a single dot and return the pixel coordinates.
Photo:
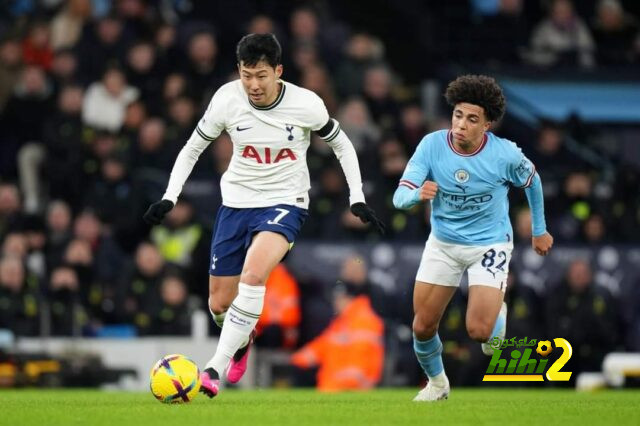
(97, 97)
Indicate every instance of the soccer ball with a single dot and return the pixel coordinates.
(175, 379)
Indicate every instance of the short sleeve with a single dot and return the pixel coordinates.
(213, 120)
(317, 112)
(418, 167)
(520, 170)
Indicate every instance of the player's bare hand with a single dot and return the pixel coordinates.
(428, 190)
(542, 244)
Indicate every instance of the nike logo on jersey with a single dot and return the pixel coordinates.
(240, 129)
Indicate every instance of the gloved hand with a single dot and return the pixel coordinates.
(367, 215)
(156, 212)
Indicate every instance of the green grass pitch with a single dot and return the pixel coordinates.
(480, 406)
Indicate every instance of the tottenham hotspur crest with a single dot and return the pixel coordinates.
(461, 175)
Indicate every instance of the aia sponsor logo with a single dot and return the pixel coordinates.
(267, 156)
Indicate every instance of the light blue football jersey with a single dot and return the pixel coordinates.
(471, 206)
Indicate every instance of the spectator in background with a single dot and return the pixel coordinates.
(317, 79)
(143, 72)
(403, 224)
(105, 101)
(23, 116)
(361, 53)
(36, 49)
(280, 318)
(350, 352)
(172, 316)
(182, 120)
(102, 44)
(364, 133)
(64, 70)
(58, 230)
(115, 199)
(67, 24)
(526, 315)
(412, 126)
(19, 307)
(15, 245)
(10, 208)
(62, 137)
(108, 257)
(203, 69)
(379, 99)
(616, 34)
(140, 284)
(327, 206)
(68, 316)
(34, 231)
(10, 68)
(562, 39)
(152, 153)
(506, 32)
(574, 206)
(594, 231)
(78, 256)
(553, 159)
(584, 315)
(134, 116)
(179, 237)
(175, 85)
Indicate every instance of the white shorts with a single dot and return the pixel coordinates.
(444, 263)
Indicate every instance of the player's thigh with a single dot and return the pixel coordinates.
(222, 291)
(429, 303)
(440, 264)
(266, 250)
(482, 310)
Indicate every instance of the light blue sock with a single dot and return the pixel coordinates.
(499, 324)
(429, 354)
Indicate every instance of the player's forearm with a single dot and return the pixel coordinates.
(346, 154)
(535, 198)
(405, 198)
(185, 161)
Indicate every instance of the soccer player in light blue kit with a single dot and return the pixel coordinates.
(465, 173)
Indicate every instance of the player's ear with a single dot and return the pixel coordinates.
(279, 70)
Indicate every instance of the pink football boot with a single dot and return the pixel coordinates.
(209, 382)
(238, 364)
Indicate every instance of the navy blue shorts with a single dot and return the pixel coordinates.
(234, 229)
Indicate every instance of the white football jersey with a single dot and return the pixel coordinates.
(269, 162)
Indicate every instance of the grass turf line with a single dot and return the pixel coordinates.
(305, 407)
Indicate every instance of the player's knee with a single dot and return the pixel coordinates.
(423, 328)
(218, 306)
(252, 278)
(479, 332)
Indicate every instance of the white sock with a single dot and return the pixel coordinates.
(219, 320)
(439, 380)
(239, 322)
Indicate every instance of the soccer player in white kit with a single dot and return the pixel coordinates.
(465, 174)
(264, 191)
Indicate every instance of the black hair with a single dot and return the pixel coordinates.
(478, 90)
(254, 48)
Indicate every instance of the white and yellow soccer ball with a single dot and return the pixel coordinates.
(175, 379)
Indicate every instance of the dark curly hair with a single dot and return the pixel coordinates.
(477, 90)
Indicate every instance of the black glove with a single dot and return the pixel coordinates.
(156, 211)
(367, 215)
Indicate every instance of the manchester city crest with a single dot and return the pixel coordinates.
(461, 175)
